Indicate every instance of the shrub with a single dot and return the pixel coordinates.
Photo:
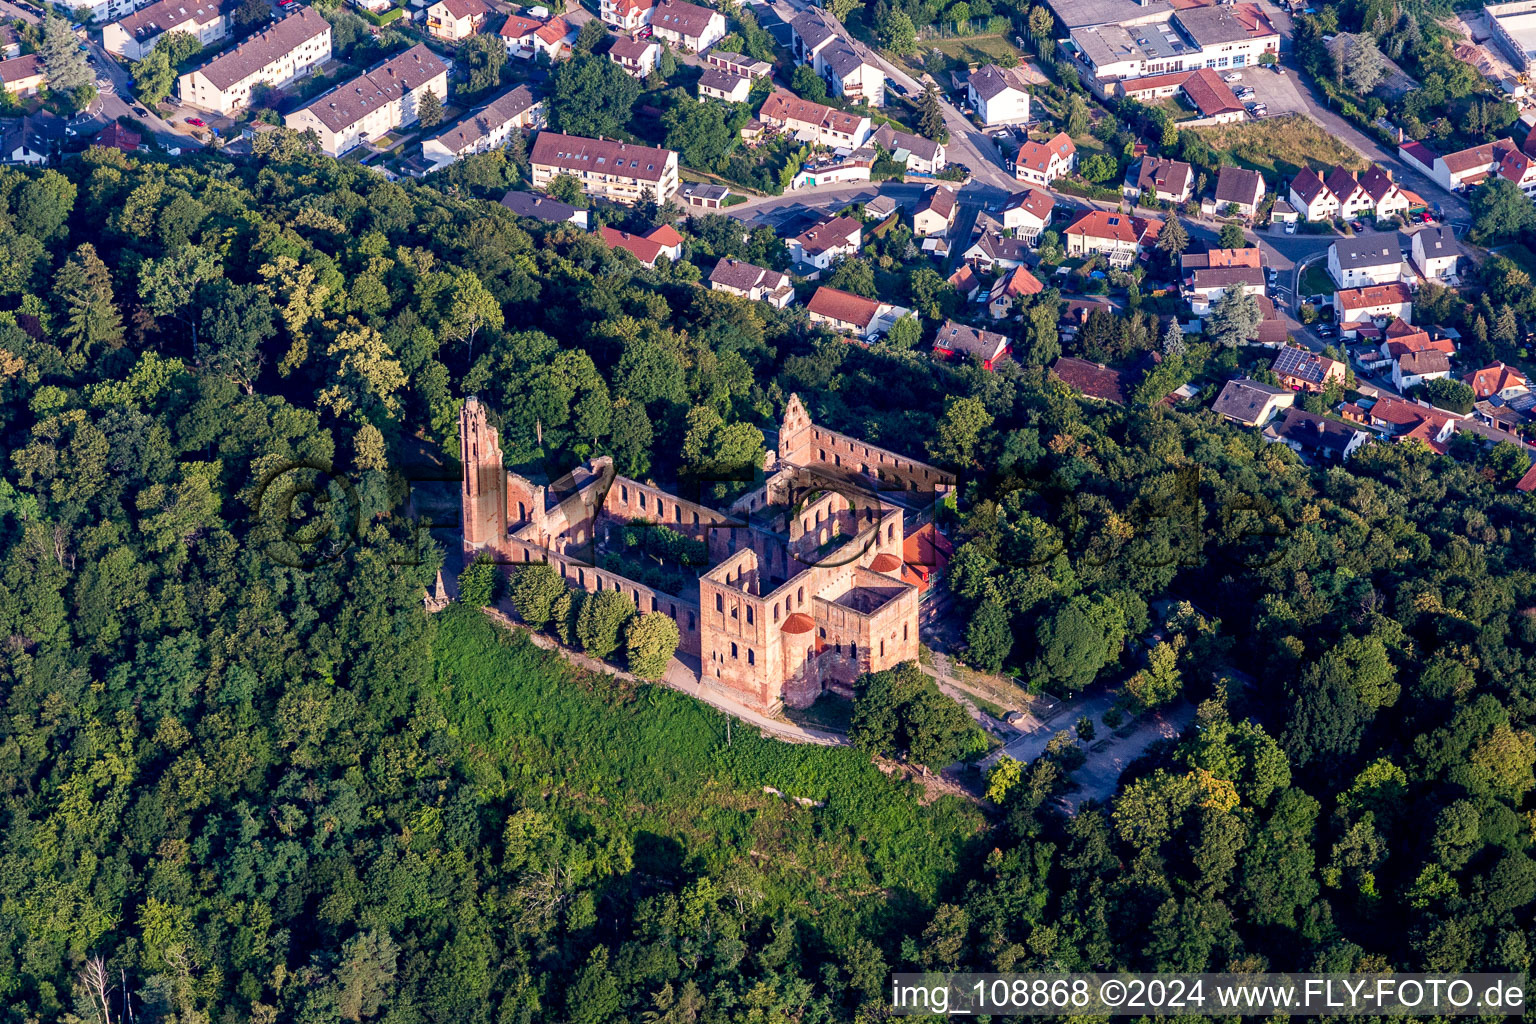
(601, 622)
(650, 641)
(480, 582)
(535, 590)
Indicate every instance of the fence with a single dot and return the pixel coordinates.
(996, 25)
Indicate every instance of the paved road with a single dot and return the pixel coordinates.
(967, 143)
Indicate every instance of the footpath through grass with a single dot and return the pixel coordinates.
(647, 772)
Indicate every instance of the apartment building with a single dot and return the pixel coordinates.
(376, 102)
(1215, 37)
(453, 20)
(849, 74)
(484, 129)
(135, 36)
(688, 25)
(606, 168)
(280, 54)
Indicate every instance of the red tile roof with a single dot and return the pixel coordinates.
(1095, 380)
(844, 307)
(1037, 155)
(1372, 295)
(1492, 379)
(1118, 226)
(1207, 91)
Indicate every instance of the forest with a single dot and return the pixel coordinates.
(244, 786)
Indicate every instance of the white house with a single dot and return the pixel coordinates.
(30, 139)
(484, 129)
(814, 122)
(374, 103)
(1375, 258)
(528, 35)
(717, 84)
(1116, 236)
(1434, 253)
(823, 244)
(284, 52)
(1388, 200)
(1311, 196)
(850, 76)
(1205, 286)
(752, 282)
(1413, 368)
(1028, 213)
(998, 95)
(453, 20)
(688, 25)
(935, 212)
(1169, 181)
(1355, 308)
(992, 250)
(136, 35)
(638, 57)
(1041, 163)
(1239, 187)
(626, 15)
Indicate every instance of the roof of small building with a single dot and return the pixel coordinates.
(1244, 399)
(722, 81)
(1035, 202)
(169, 14)
(1378, 183)
(1315, 433)
(991, 81)
(953, 336)
(939, 200)
(540, 207)
(1157, 175)
(466, 8)
(1114, 225)
(1304, 364)
(575, 153)
(1037, 156)
(625, 48)
(1493, 378)
(829, 234)
(683, 18)
(1395, 293)
(844, 307)
(1373, 249)
(19, 69)
(1238, 184)
(1308, 186)
(1018, 281)
(1210, 94)
(1424, 361)
(479, 124)
(1095, 380)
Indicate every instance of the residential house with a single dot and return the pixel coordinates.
(1413, 368)
(1315, 436)
(1094, 380)
(31, 138)
(994, 250)
(1244, 257)
(98, 11)
(1028, 213)
(542, 207)
(921, 155)
(704, 197)
(1434, 253)
(814, 122)
(135, 36)
(647, 248)
(10, 42)
(115, 136)
(722, 85)
(809, 33)
(1357, 308)
(1497, 380)
(638, 57)
(849, 74)
(1353, 199)
(935, 213)
(1282, 212)
(1240, 189)
(1467, 168)
(752, 282)
(1168, 181)
(999, 96)
(965, 282)
(1006, 290)
(1388, 200)
(834, 170)
(378, 101)
(1311, 196)
(1405, 420)
(957, 339)
(24, 76)
(1250, 403)
(827, 242)
(606, 168)
(1375, 258)
(1118, 237)
(738, 64)
(454, 20)
(1041, 163)
(527, 35)
(688, 25)
(1201, 89)
(1204, 286)
(626, 15)
(852, 314)
(1302, 369)
(485, 128)
(1274, 332)
(280, 54)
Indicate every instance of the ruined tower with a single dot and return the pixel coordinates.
(484, 490)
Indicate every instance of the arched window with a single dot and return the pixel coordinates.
(719, 603)
(775, 613)
(751, 658)
(624, 494)
(733, 651)
(853, 651)
(800, 598)
(749, 615)
(882, 648)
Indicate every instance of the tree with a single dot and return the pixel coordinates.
(367, 378)
(650, 641)
(1358, 61)
(1173, 239)
(959, 431)
(1173, 340)
(1232, 237)
(84, 287)
(930, 115)
(591, 96)
(1507, 462)
(1041, 22)
(936, 727)
(904, 335)
(63, 60)
(1501, 211)
(168, 286)
(430, 110)
(480, 582)
(1452, 394)
(1082, 637)
(251, 15)
(567, 189)
(900, 713)
(536, 589)
(153, 77)
(700, 133)
(1234, 319)
(482, 57)
(471, 307)
(988, 637)
(807, 84)
(601, 621)
(592, 33)
(898, 32)
(1099, 167)
(1076, 116)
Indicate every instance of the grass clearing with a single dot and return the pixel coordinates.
(977, 50)
(649, 774)
(1280, 145)
(1316, 280)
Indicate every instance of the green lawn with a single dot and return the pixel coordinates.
(974, 49)
(1281, 145)
(1315, 280)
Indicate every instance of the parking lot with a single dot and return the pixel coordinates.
(1277, 92)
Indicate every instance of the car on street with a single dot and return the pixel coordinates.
(1279, 70)
(197, 122)
(140, 110)
(1325, 330)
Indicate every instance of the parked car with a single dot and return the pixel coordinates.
(1325, 331)
(1236, 76)
(1426, 218)
(1357, 224)
(1290, 228)
(197, 122)
(1279, 70)
(140, 111)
